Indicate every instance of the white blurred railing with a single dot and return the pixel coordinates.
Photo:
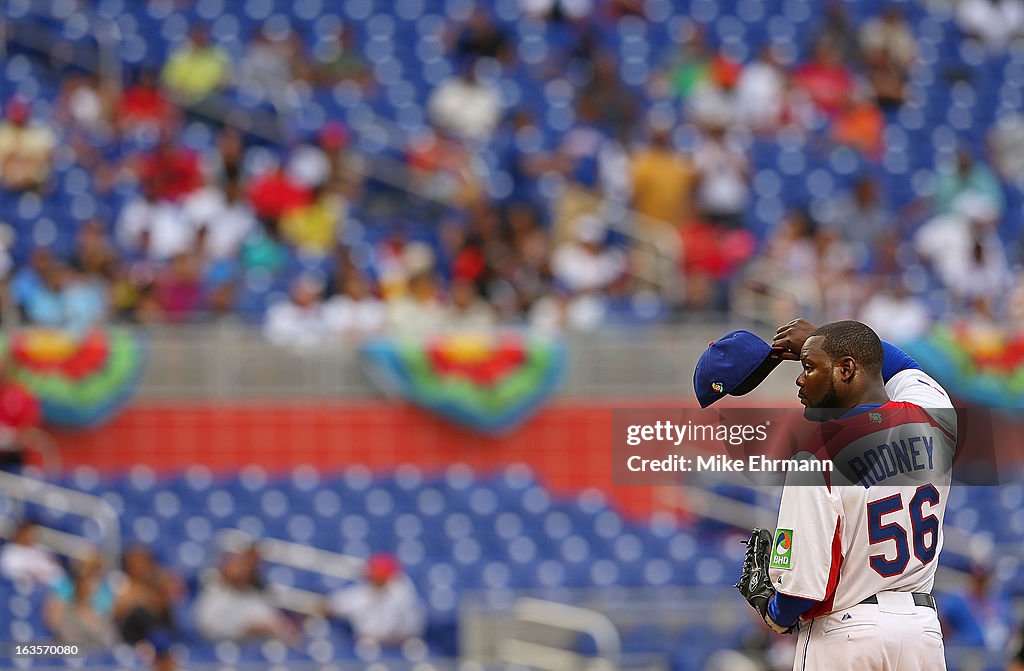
(66, 501)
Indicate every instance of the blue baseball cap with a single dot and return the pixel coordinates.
(726, 364)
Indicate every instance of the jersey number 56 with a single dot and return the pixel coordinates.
(924, 531)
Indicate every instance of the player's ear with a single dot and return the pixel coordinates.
(847, 369)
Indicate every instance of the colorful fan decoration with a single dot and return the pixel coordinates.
(80, 381)
(490, 383)
(982, 366)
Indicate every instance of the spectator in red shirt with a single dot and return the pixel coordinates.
(143, 105)
(20, 420)
(274, 193)
(172, 172)
(825, 79)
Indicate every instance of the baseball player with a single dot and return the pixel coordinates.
(852, 562)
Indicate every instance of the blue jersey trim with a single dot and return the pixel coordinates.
(895, 361)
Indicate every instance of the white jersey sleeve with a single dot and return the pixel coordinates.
(915, 386)
(806, 549)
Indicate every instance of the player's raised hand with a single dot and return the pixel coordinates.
(789, 339)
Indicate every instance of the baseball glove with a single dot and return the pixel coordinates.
(755, 584)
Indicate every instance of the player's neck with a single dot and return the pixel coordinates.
(870, 396)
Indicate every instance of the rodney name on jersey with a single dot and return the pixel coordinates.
(894, 441)
(885, 460)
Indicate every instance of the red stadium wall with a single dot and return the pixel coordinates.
(568, 444)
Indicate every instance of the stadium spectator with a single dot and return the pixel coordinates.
(895, 314)
(313, 228)
(197, 68)
(94, 255)
(419, 309)
(223, 219)
(274, 193)
(889, 49)
(224, 163)
(385, 607)
(90, 563)
(179, 289)
(170, 172)
(794, 253)
(860, 214)
(62, 299)
(468, 310)
(967, 174)
(583, 270)
(339, 59)
(761, 91)
(75, 618)
(233, 604)
(723, 172)
(145, 598)
(26, 148)
(663, 180)
(481, 37)
(154, 228)
(860, 125)
(465, 107)
(445, 170)
(613, 103)
(686, 69)
(355, 312)
(314, 163)
(1006, 140)
(838, 31)
(995, 22)
(144, 107)
(889, 34)
(22, 559)
(826, 79)
(711, 257)
(300, 321)
(272, 65)
(965, 250)
(83, 106)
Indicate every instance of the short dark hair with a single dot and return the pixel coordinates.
(853, 339)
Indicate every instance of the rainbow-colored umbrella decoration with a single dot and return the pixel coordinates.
(985, 367)
(80, 380)
(490, 383)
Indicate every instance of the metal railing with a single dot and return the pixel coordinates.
(515, 649)
(67, 501)
(298, 556)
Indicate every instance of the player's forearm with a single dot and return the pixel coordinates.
(785, 610)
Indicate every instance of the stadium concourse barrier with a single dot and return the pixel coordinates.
(223, 397)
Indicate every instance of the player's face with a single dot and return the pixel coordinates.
(817, 382)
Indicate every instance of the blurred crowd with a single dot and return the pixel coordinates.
(634, 212)
(147, 605)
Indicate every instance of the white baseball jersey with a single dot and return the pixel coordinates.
(874, 524)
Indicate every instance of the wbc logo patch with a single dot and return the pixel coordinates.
(875, 417)
(782, 550)
(718, 386)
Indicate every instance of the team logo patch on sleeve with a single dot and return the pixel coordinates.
(782, 551)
